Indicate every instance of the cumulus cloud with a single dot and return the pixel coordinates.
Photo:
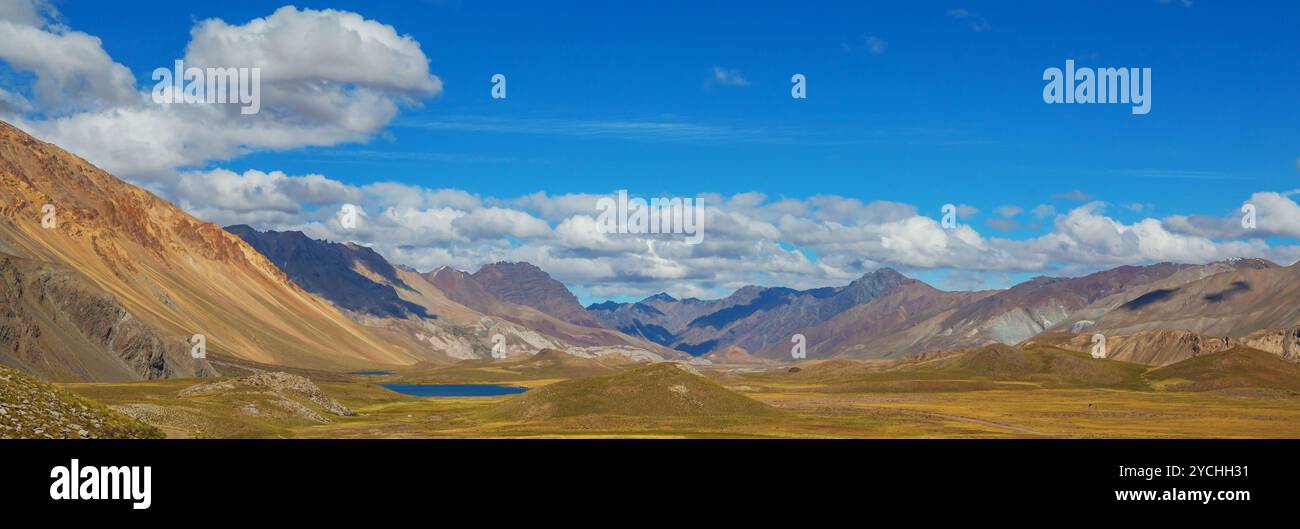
(1276, 215)
(327, 77)
(72, 70)
(749, 237)
(227, 197)
(27, 12)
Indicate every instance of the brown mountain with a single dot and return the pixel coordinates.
(1198, 311)
(883, 314)
(438, 317)
(893, 325)
(526, 284)
(55, 323)
(1235, 302)
(175, 274)
(592, 339)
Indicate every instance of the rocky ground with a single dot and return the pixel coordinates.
(288, 392)
(32, 409)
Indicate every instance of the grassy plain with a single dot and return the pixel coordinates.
(1040, 395)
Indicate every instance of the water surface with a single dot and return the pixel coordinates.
(455, 390)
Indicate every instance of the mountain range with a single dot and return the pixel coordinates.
(118, 285)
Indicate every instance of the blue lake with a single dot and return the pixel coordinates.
(455, 390)
(372, 372)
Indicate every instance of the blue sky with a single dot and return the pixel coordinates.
(920, 103)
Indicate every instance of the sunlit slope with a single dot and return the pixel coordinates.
(55, 324)
(657, 390)
(1239, 367)
(181, 275)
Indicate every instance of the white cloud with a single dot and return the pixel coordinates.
(727, 77)
(27, 12)
(1276, 215)
(73, 72)
(328, 77)
(749, 238)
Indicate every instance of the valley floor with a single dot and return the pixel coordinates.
(806, 411)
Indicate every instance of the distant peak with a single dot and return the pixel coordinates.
(605, 305)
(884, 275)
(1249, 262)
(662, 296)
(445, 269)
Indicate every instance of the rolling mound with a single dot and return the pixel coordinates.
(1239, 367)
(1049, 366)
(550, 362)
(273, 394)
(994, 366)
(1153, 348)
(656, 390)
(30, 409)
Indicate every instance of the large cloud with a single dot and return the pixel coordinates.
(327, 77)
(73, 72)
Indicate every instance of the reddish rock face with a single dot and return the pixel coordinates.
(526, 284)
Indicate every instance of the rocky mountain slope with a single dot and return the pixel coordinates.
(1155, 314)
(1200, 310)
(330, 270)
(56, 324)
(526, 284)
(175, 274)
(753, 319)
(445, 315)
(1235, 302)
(584, 340)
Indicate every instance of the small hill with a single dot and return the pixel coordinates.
(30, 408)
(656, 390)
(559, 364)
(994, 366)
(273, 394)
(1239, 367)
(1046, 365)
